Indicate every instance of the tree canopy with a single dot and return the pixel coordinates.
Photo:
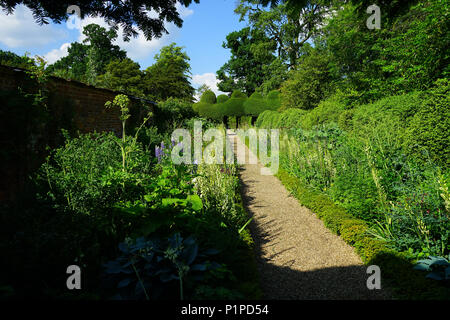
(89, 59)
(169, 76)
(128, 14)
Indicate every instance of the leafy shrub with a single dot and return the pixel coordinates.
(428, 132)
(293, 118)
(261, 118)
(269, 118)
(307, 85)
(327, 111)
(87, 173)
(238, 94)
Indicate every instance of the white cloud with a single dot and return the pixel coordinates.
(57, 54)
(21, 30)
(183, 11)
(209, 79)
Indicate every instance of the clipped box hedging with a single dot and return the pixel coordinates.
(221, 98)
(208, 97)
(273, 100)
(396, 269)
(235, 105)
(255, 105)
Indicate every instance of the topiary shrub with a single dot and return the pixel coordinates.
(235, 105)
(238, 94)
(208, 97)
(205, 109)
(255, 105)
(222, 98)
(273, 100)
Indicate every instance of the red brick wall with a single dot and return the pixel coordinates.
(87, 104)
(90, 113)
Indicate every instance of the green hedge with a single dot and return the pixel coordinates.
(396, 268)
(428, 133)
(208, 98)
(222, 98)
(273, 100)
(255, 105)
(235, 105)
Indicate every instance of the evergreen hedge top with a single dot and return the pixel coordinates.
(222, 98)
(208, 97)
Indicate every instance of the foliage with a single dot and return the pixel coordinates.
(235, 105)
(255, 104)
(244, 69)
(288, 26)
(273, 100)
(169, 76)
(221, 98)
(208, 97)
(8, 58)
(427, 134)
(172, 113)
(128, 15)
(87, 60)
(439, 268)
(146, 268)
(308, 84)
(122, 75)
(406, 283)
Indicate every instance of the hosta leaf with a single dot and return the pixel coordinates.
(191, 253)
(198, 267)
(195, 201)
(440, 262)
(124, 283)
(435, 276)
(421, 267)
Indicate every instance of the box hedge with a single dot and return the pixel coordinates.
(396, 268)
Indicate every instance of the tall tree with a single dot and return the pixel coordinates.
(123, 75)
(87, 60)
(169, 76)
(250, 51)
(290, 25)
(127, 14)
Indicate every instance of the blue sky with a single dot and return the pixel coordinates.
(204, 29)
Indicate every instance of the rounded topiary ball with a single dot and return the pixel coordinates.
(208, 97)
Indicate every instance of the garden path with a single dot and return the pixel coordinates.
(297, 256)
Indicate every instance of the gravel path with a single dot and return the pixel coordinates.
(297, 256)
